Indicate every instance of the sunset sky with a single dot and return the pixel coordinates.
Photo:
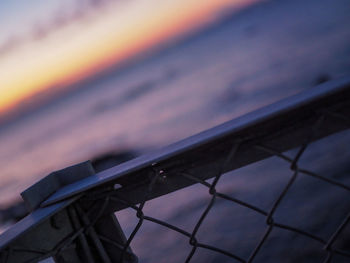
(54, 43)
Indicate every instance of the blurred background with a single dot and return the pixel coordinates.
(111, 79)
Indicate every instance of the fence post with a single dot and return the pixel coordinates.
(70, 235)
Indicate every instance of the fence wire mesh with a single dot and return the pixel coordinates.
(325, 244)
(85, 214)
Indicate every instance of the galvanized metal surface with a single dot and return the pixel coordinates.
(291, 117)
(31, 221)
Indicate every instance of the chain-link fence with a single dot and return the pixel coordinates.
(74, 220)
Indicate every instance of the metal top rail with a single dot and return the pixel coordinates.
(203, 153)
(256, 122)
(307, 102)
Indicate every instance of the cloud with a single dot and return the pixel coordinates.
(61, 18)
(10, 44)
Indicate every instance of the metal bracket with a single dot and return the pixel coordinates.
(64, 232)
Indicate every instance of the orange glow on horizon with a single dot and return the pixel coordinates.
(108, 41)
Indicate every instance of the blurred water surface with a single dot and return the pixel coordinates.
(262, 54)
